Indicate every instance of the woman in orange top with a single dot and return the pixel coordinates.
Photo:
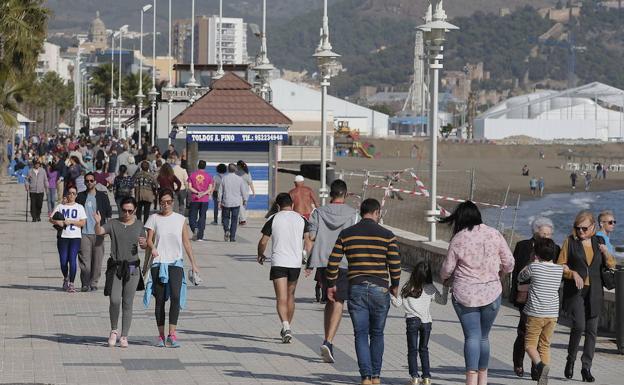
(585, 255)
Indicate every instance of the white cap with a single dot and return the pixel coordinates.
(299, 178)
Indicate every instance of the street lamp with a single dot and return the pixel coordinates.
(119, 97)
(434, 35)
(140, 95)
(112, 101)
(220, 71)
(263, 65)
(77, 87)
(327, 61)
(192, 83)
(153, 94)
(168, 87)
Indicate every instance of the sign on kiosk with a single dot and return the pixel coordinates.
(237, 137)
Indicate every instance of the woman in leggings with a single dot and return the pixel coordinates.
(68, 241)
(123, 267)
(167, 235)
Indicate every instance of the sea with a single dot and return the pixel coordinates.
(561, 208)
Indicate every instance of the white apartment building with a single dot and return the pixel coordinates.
(50, 60)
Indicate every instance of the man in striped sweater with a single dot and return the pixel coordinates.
(374, 272)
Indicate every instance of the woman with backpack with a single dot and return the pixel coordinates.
(145, 189)
(122, 186)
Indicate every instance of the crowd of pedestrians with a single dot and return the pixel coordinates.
(357, 261)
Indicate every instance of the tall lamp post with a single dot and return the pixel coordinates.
(434, 35)
(153, 94)
(263, 64)
(112, 101)
(140, 95)
(327, 61)
(77, 88)
(220, 71)
(192, 83)
(168, 87)
(119, 97)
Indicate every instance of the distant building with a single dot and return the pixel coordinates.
(206, 50)
(592, 111)
(97, 33)
(50, 60)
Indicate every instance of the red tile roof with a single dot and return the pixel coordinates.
(232, 102)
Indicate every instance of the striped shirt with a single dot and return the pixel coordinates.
(372, 254)
(545, 278)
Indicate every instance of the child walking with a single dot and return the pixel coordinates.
(542, 307)
(415, 299)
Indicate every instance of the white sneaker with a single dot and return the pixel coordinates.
(112, 339)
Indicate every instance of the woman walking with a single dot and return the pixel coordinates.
(524, 254)
(167, 180)
(53, 177)
(123, 270)
(221, 170)
(243, 172)
(73, 172)
(68, 241)
(585, 255)
(122, 186)
(476, 256)
(167, 235)
(145, 191)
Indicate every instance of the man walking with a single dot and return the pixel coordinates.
(92, 245)
(233, 193)
(374, 271)
(326, 223)
(201, 186)
(288, 229)
(303, 197)
(36, 185)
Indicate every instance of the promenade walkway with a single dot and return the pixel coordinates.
(229, 332)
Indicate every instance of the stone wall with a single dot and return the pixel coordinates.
(415, 248)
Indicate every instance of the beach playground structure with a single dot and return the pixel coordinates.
(347, 142)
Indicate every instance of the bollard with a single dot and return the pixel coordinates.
(619, 309)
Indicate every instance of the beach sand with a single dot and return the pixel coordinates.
(496, 167)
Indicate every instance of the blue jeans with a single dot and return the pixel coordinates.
(197, 218)
(230, 220)
(476, 323)
(51, 198)
(215, 208)
(68, 249)
(368, 306)
(418, 346)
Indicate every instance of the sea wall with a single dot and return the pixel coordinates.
(415, 248)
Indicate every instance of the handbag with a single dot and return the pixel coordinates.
(522, 293)
(608, 278)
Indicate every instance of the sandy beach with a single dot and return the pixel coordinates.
(496, 167)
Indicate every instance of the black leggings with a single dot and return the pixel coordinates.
(158, 290)
(143, 210)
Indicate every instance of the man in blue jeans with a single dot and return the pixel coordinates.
(233, 193)
(374, 271)
(200, 185)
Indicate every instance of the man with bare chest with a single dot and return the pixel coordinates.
(304, 199)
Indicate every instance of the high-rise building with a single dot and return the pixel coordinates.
(233, 41)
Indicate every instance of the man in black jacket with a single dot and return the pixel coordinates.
(92, 245)
(542, 227)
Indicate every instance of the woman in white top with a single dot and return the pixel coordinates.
(243, 172)
(70, 234)
(415, 299)
(167, 235)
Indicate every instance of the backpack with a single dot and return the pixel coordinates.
(143, 189)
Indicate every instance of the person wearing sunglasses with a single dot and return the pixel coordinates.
(606, 222)
(585, 254)
(168, 237)
(68, 241)
(123, 271)
(92, 245)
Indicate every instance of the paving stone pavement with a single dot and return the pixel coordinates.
(229, 331)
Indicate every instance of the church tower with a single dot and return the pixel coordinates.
(97, 33)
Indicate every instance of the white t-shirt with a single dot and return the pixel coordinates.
(168, 238)
(286, 229)
(73, 212)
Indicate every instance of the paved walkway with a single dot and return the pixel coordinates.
(229, 332)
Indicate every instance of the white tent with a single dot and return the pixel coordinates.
(592, 111)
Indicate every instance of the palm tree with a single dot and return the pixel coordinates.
(130, 88)
(23, 27)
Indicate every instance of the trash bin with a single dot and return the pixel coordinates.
(619, 309)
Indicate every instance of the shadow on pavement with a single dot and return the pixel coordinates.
(82, 340)
(228, 335)
(32, 287)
